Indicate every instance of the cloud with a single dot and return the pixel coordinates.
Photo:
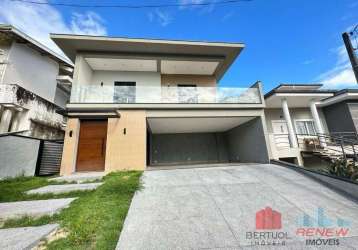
(204, 8)
(164, 18)
(187, 2)
(150, 16)
(341, 75)
(340, 78)
(227, 16)
(39, 20)
(89, 23)
(347, 16)
(307, 62)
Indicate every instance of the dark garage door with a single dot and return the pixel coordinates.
(188, 148)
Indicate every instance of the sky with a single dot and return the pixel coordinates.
(286, 41)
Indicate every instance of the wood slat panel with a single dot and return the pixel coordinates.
(92, 146)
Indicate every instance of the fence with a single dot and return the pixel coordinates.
(27, 156)
(49, 158)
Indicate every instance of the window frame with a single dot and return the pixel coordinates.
(132, 92)
(305, 120)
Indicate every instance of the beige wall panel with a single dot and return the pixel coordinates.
(69, 155)
(199, 80)
(126, 151)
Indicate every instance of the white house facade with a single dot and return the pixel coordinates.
(35, 84)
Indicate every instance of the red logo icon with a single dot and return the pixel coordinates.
(268, 219)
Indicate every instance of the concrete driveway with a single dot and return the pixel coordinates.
(215, 208)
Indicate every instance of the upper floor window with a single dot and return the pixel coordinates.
(187, 93)
(124, 92)
(305, 127)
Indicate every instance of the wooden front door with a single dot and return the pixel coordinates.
(92, 146)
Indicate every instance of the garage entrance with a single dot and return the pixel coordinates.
(198, 140)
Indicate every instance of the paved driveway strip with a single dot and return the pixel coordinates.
(214, 208)
(24, 237)
(36, 208)
(65, 188)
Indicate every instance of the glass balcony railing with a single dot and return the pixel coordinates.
(165, 95)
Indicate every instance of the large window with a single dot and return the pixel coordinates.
(124, 92)
(305, 127)
(187, 93)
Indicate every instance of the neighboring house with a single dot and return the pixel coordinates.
(343, 106)
(143, 102)
(299, 114)
(293, 114)
(35, 82)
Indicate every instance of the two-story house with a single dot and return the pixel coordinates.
(144, 102)
(35, 83)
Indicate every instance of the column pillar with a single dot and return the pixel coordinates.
(317, 122)
(291, 131)
(5, 120)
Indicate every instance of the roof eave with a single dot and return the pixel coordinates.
(69, 44)
(18, 33)
(147, 40)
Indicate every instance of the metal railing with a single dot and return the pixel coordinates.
(339, 152)
(339, 145)
(167, 95)
(344, 145)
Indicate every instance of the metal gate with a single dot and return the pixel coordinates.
(49, 158)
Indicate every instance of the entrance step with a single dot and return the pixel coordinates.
(38, 208)
(58, 189)
(80, 177)
(24, 237)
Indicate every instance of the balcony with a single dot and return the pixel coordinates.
(164, 95)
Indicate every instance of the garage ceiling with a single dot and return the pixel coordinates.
(195, 124)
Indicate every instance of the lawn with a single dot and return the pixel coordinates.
(14, 189)
(94, 220)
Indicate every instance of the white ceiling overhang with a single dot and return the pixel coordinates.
(118, 64)
(186, 67)
(295, 100)
(194, 124)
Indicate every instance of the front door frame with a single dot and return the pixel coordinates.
(278, 141)
(273, 121)
(79, 138)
